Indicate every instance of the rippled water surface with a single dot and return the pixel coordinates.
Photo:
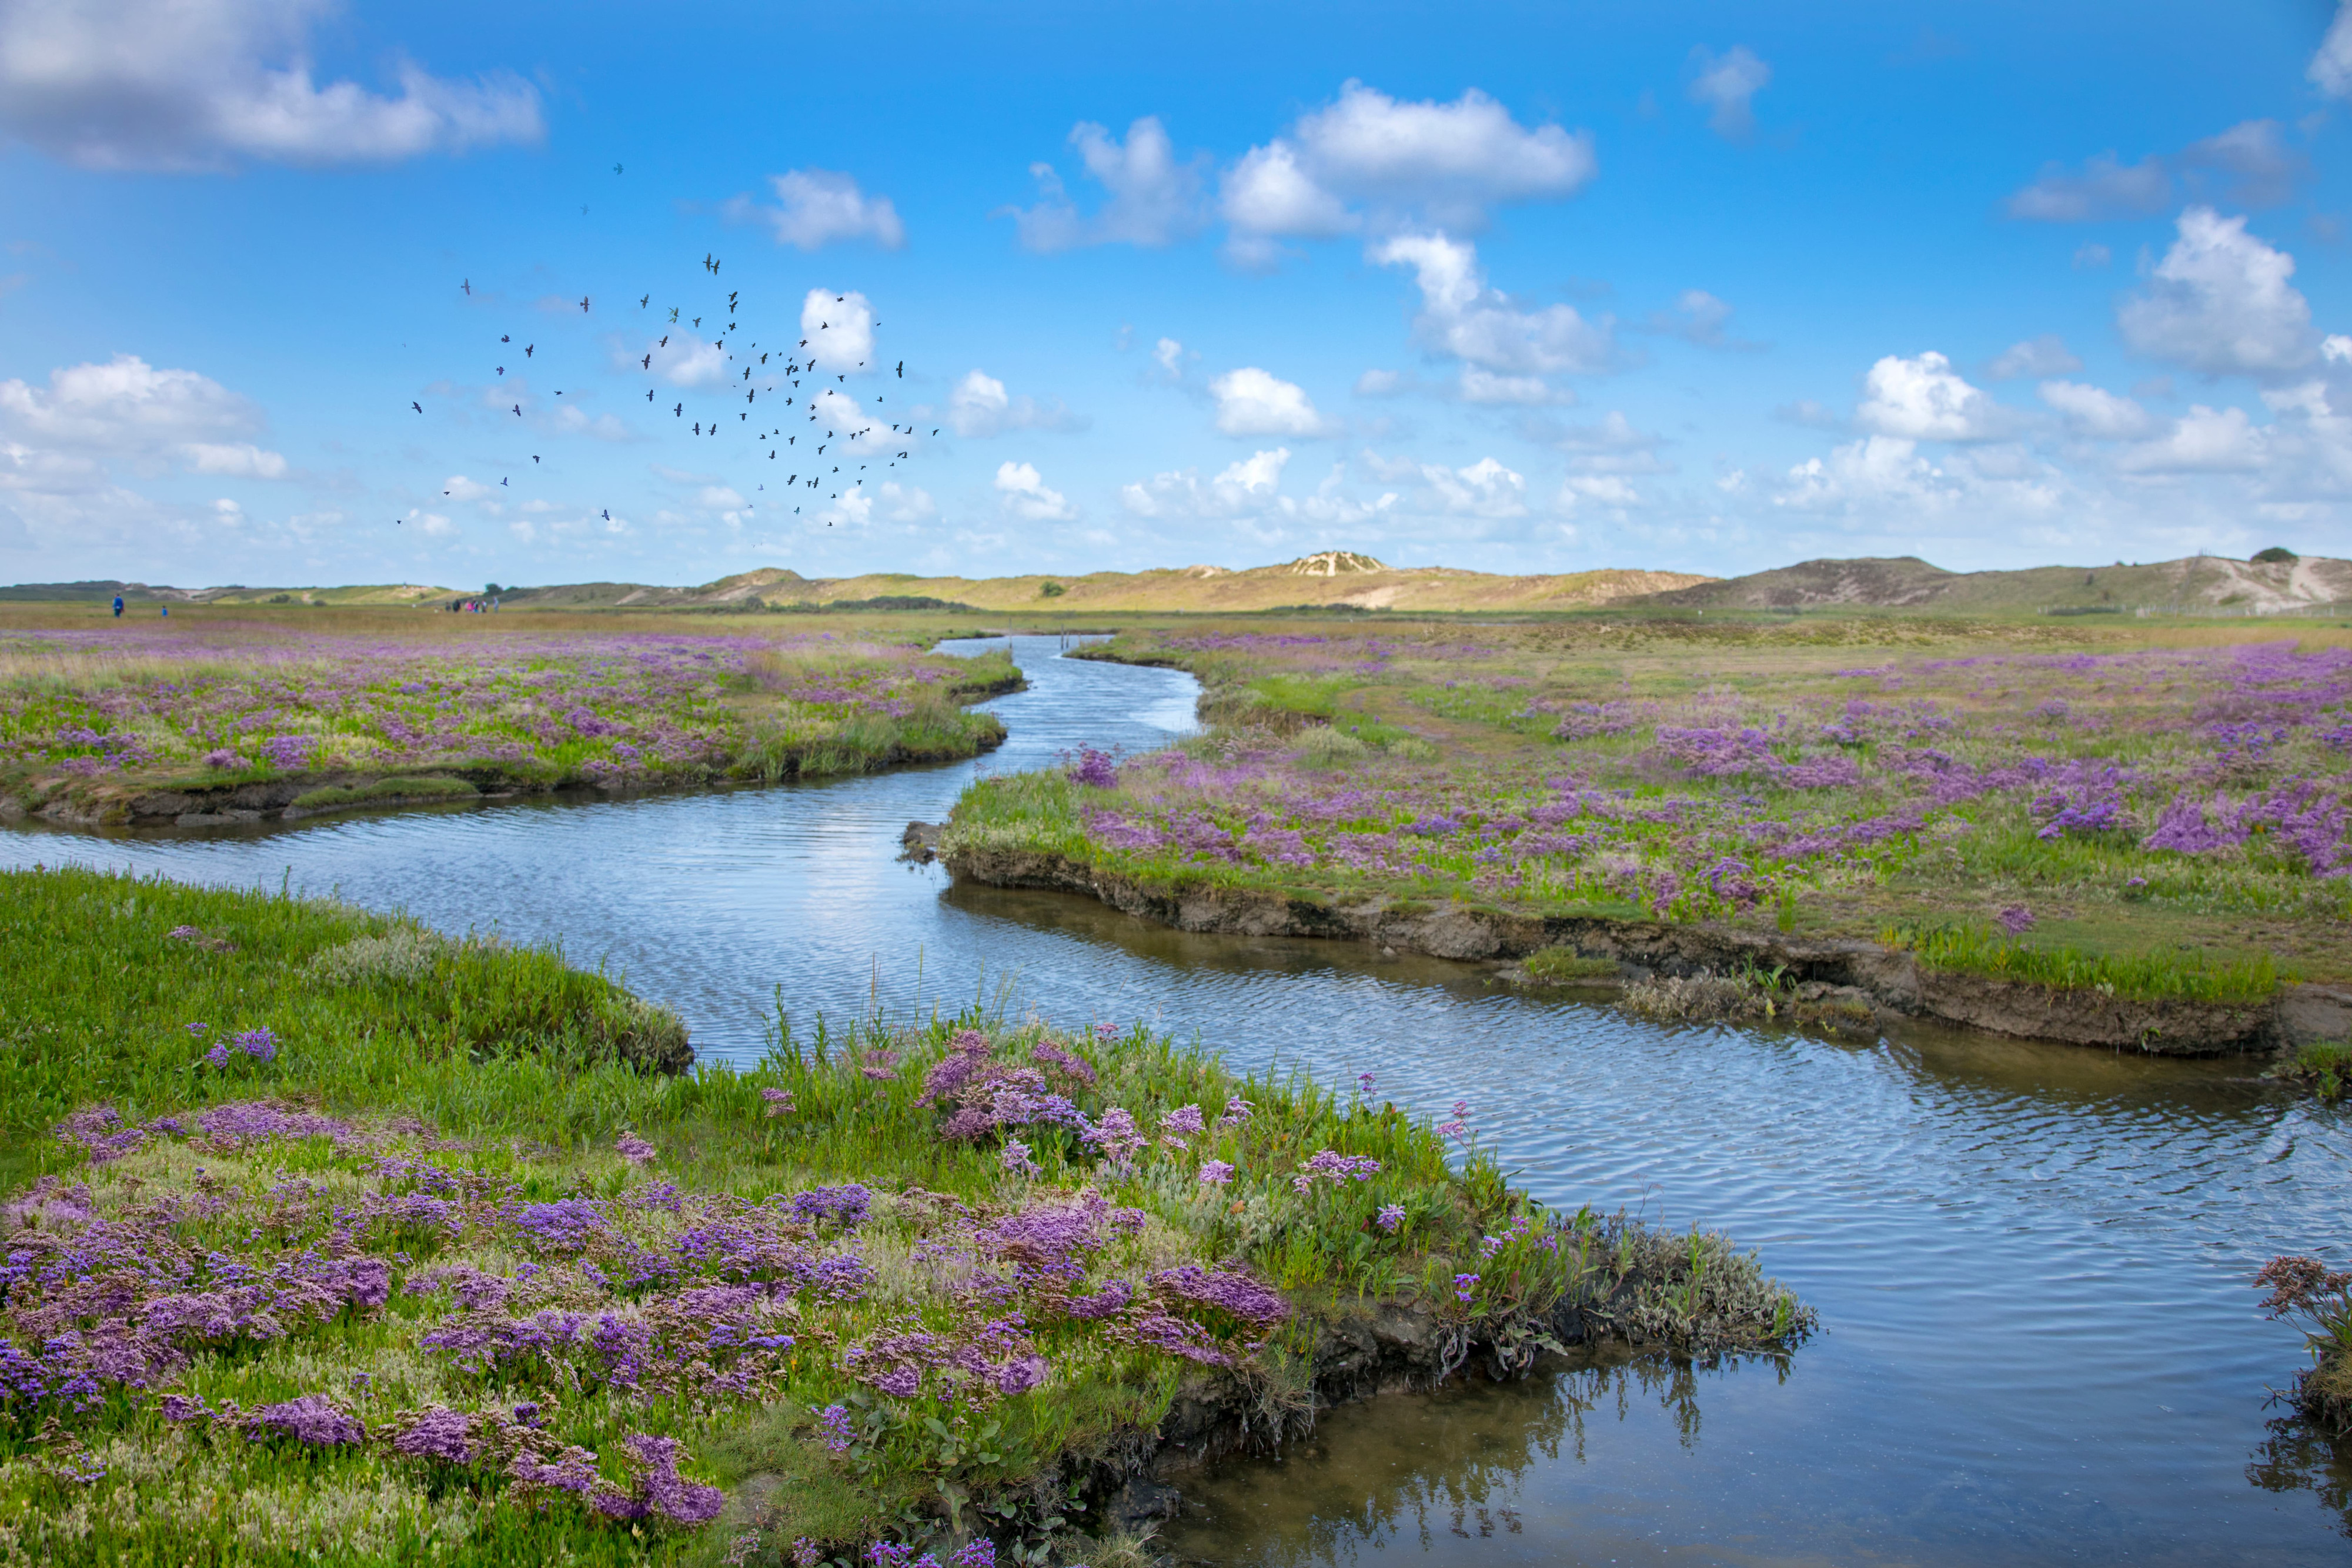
(2030, 1260)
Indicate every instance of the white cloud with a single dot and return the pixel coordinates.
(1381, 384)
(1484, 489)
(2044, 356)
(2106, 188)
(125, 406)
(1924, 399)
(1485, 386)
(980, 406)
(2202, 441)
(1606, 489)
(840, 330)
(1612, 445)
(1025, 494)
(1168, 355)
(240, 459)
(1877, 469)
(816, 207)
(2097, 412)
(2088, 257)
(1728, 84)
(684, 360)
(1369, 162)
(1250, 484)
(1463, 317)
(1250, 401)
(459, 488)
(1702, 319)
(1152, 198)
(2220, 301)
(193, 85)
(2331, 67)
(907, 503)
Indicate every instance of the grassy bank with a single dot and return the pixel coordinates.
(325, 1234)
(216, 710)
(2153, 813)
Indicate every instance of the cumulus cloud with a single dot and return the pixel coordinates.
(1383, 384)
(1603, 489)
(1247, 484)
(129, 412)
(1251, 402)
(840, 330)
(1168, 355)
(2105, 188)
(194, 85)
(1727, 85)
(2201, 441)
(1463, 317)
(1877, 469)
(1025, 494)
(980, 406)
(2095, 411)
(1485, 490)
(816, 207)
(2220, 301)
(684, 360)
(1924, 399)
(2044, 356)
(1613, 444)
(2331, 67)
(1151, 198)
(1370, 162)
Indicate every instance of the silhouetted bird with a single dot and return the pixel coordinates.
(468, 287)
(418, 406)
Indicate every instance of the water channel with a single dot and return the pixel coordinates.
(2030, 1260)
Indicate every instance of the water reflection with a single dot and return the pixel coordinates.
(1452, 1475)
(2294, 1456)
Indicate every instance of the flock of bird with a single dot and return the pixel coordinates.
(836, 420)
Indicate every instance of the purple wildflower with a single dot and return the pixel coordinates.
(218, 1055)
(1237, 1111)
(439, 1434)
(833, 1426)
(1465, 1286)
(1332, 1167)
(1216, 1172)
(1114, 1136)
(257, 1043)
(2015, 919)
(312, 1420)
(635, 1150)
(780, 1102)
(1015, 1158)
(196, 1028)
(1391, 1216)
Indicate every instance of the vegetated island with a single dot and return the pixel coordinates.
(216, 718)
(2115, 831)
(327, 1237)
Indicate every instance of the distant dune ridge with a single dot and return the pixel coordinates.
(1340, 579)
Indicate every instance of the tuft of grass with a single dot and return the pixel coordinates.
(1973, 949)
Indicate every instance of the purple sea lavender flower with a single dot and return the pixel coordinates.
(658, 1488)
(257, 1043)
(1364, 1082)
(1022, 1374)
(1331, 1166)
(311, 1418)
(1237, 1111)
(196, 1028)
(1465, 1286)
(1391, 1216)
(1096, 769)
(1107, 1303)
(1049, 1055)
(1015, 1158)
(222, 758)
(844, 1204)
(1216, 1172)
(218, 1055)
(635, 1150)
(834, 1429)
(2015, 919)
(1114, 1136)
(780, 1102)
(879, 1065)
(1225, 1290)
(439, 1434)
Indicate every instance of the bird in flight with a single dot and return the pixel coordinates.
(616, 169)
(534, 457)
(418, 406)
(468, 287)
(502, 481)
(518, 410)
(608, 514)
(902, 369)
(583, 305)
(527, 348)
(643, 300)
(649, 362)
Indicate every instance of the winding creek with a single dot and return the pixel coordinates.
(2030, 1260)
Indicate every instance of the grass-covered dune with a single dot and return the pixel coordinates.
(324, 1238)
(2128, 835)
(221, 715)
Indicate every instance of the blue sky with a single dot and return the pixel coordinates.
(1523, 288)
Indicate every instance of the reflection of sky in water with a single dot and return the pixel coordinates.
(2031, 1260)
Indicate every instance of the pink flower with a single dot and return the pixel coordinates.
(780, 1102)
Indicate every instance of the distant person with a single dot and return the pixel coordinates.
(167, 612)
(117, 607)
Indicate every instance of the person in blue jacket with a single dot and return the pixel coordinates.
(117, 607)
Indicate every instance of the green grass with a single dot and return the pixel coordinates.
(513, 1073)
(1973, 949)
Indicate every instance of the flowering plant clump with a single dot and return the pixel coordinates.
(1012, 1244)
(228, 701)
(1750, 776)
